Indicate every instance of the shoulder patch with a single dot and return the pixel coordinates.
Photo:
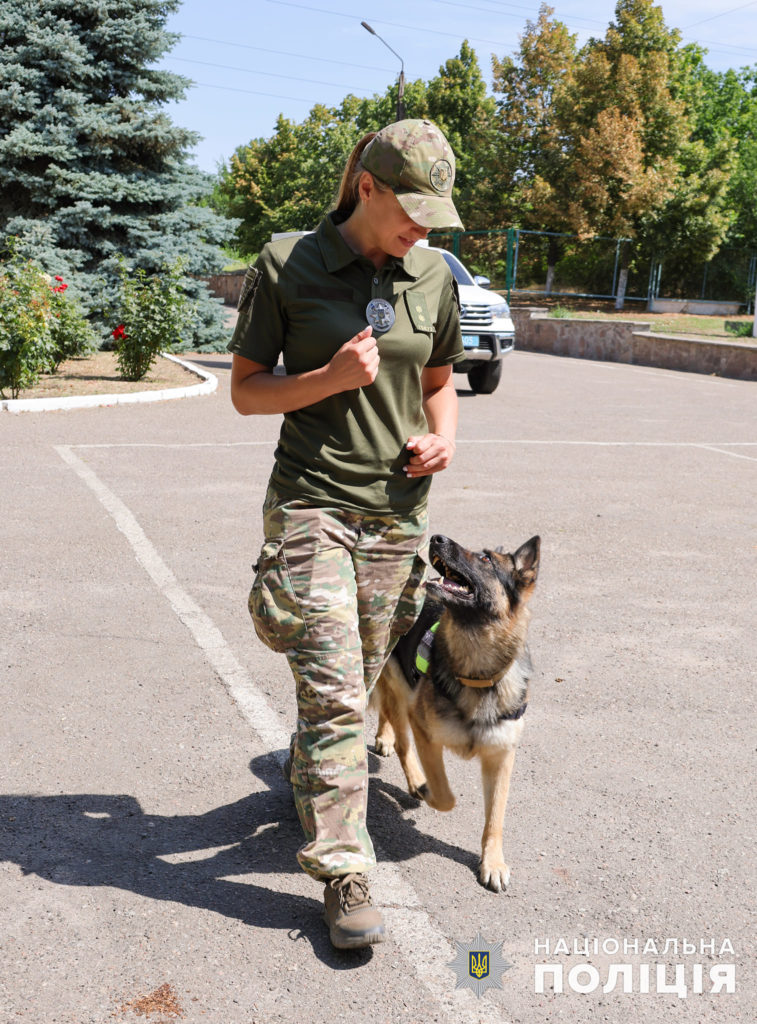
(249, 287)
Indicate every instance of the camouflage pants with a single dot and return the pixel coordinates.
(334, 590)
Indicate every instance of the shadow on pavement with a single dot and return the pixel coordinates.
(90, 839)
(213, 364)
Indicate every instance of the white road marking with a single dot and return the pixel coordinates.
(460, 440)
(722, 451)
(411, 928)
(612, 444)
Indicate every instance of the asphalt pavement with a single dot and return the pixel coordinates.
(148, 840)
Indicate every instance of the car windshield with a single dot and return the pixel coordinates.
(461, 275)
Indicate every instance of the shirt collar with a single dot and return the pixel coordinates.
(337, 254)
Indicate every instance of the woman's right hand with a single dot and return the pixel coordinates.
(256, 389)
(355, 364)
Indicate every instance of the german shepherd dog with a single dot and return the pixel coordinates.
(459, 679)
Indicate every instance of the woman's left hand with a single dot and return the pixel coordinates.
(431, 453)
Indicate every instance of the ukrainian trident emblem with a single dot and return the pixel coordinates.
(478, 964)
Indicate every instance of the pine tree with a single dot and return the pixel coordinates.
(91, 166)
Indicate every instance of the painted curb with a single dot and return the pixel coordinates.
(206, 387)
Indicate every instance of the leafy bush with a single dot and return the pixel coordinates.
(71, 334)
(152, 313)
(25, 315)
(740, 330)
(560, 312)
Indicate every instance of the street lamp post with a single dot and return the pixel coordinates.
(401, 89)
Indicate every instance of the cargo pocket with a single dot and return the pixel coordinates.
(273, 604)
(411, 600)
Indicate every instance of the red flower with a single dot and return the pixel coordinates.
(119, 332)
(58, 277)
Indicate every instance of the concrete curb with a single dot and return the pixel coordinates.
(634, 342)
(206, 387)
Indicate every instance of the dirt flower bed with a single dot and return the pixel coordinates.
(98, 375)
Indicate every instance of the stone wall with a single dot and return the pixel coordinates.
(631, 341)
(227, 286)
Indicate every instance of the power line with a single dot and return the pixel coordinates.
(256, 92)
(714, 46)
(268, 74)
(392, 24)
(721, 15)
(507, 14)
(286, 53)
(486, 10)
(727, 49)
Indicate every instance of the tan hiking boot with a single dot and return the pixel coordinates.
(352, 919)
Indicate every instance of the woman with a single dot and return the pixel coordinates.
(370, 413)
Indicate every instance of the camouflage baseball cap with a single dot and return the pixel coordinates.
(415, 160)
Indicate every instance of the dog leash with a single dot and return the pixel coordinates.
(423, 663)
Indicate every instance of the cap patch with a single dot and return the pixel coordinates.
(441, 175)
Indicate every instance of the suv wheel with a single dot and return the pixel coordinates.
(484, 378)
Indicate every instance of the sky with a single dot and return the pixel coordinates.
(251, 60)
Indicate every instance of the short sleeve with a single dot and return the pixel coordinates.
(261, 324)
(448, 342)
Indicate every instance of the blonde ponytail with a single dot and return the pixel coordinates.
(347, 198)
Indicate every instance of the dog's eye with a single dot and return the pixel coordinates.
(484, 558)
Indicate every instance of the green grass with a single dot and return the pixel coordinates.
(725, 328)
(236, 265)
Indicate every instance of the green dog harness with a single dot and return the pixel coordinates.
(423, 654)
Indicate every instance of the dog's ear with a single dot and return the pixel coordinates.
(526, 560)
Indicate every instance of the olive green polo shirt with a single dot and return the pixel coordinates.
(304, 298)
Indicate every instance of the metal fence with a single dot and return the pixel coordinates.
(551, 264)
(730, 276)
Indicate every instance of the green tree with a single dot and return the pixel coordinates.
(90, 164)
(287, 182)
(725, 110)
(531, 183)
(635, 169)
(458, 104)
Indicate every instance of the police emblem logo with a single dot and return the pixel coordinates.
(380, 315)
(441, 175)
(479, 965)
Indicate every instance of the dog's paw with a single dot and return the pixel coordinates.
(439, 803)
(419, 792)
(494, 875)
(384, 748)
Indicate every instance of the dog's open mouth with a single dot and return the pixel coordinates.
(449, 581)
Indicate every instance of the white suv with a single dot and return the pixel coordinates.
(487, 328)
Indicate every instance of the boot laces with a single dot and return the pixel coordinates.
(353, 891)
